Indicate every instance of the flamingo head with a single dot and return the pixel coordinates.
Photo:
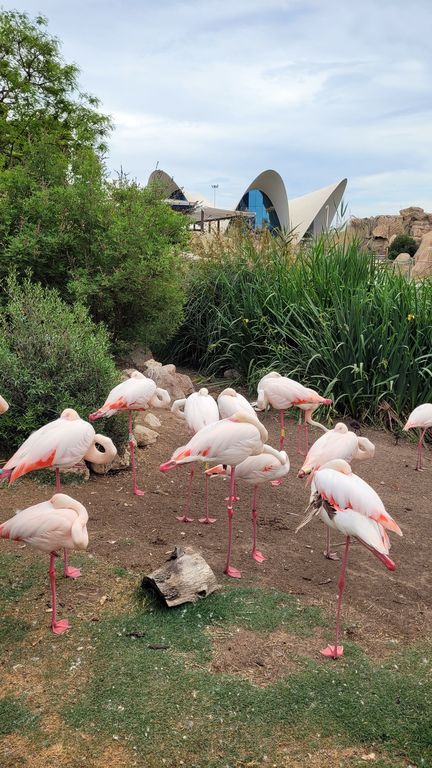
(69, 414)
(339, 465)
(220, 469)
(171, 464)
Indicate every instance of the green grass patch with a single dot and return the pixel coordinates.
(12, 630)
(15, 580)
(15, 717)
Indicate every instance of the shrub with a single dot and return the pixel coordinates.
(52, 356)
(333, 318)
(402, 244)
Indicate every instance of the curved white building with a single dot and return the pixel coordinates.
(264, 202)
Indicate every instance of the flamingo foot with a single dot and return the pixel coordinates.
(258, 556)
(184, 519)
(72, 573)
(331, 555)
(275, 483)
(233, 572)
(207, 520)
(232, 498)
(58, 627)
(138, 492)
(332, 651)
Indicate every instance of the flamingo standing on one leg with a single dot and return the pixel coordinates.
(60, 443)
(281, 393)
(348, 504)
(4, 406)
(229, 441)
(199, 410)
(257, 470)
(135, 394)
(420, 417)
(49, 526)
(337, 443)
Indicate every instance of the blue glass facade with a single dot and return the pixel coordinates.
(265, 214)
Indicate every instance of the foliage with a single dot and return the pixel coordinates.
(39, 96)
(402, 244)
(332, 317)
(52, 356)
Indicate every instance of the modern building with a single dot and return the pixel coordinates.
(264, 204)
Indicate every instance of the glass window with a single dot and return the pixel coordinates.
(265, 215)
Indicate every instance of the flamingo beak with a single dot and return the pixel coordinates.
(168, 465)
(218, 470)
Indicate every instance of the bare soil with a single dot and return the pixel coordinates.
(382, 608)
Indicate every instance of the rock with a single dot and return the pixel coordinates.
(166, 379)
(185, 383)
(122, 461)
(184, 578)
(152, 364)
(423, 261)
(79, 471)
(403, 263)
(414, 213)
(144, 436)
(138, 358)
(152, 421)
(231, 373)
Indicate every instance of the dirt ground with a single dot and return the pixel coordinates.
(382, 608)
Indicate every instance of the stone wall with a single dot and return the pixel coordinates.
(377, 232)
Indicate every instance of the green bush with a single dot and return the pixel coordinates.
(52, 356)
(331, 317)
(402, 244)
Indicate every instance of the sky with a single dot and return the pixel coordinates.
(216, 91)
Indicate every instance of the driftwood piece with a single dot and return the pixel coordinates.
(185, 578)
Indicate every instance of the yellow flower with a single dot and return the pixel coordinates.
(245, 320)
(410, 317)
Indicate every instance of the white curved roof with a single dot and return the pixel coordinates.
(166, 181)
(271, 183)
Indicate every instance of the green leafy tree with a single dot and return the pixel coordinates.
(402, 244)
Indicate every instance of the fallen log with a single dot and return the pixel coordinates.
(185, 578)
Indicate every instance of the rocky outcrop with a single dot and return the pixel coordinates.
(423, 258)
(377, 232)
(177, 384)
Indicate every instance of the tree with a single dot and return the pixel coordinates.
(402, 244)
(39, 95)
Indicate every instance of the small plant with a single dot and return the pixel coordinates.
(402, 244)
(52, 356)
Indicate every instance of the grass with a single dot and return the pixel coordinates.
(110, 689)
(332, 317)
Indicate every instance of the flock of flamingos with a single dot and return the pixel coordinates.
(227, 435)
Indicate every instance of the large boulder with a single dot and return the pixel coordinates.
(423, 258)
(403, 263)
(144, 435)
(165, 376)
(121, 461)
(137, 358)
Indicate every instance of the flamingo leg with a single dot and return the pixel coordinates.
(419, 465)
(206, 519)
(336, 651)
(327, 552)
(68, 570)
(256, 554)
(229, 569)
(282, 430)
(306, 433)
(186, 518)
(58, 483)
(137, 491)
(58, 627)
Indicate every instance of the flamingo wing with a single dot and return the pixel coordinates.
(200, 411)
(42, 526)
(132, 394)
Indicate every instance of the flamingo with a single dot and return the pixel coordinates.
(281, 393)
(60, 443)
(337, 443)
(48, 526)
(257, 470)
(199, 410)
(420, 417)
(4, 406)
(135, 394)
(229, 441)
(348, 504)
(230, 402)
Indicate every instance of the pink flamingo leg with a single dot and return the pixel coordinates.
(185, 518)
(229, 569)
(256, 554)
(137, 491)
(282, 430)
(419, 465)
(206, 519)
(58, 627)
(336, 651)
(68, 570)
(306, 431)
(327, 552)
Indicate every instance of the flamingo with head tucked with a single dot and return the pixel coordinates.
(4, 406)
(134, 394)
(337, 443)
(281, 393)
(420, 417)
(229, 441)
(230, 402)
(60, 444)
(198, 410)
(348, 504)
(58, 523)
(257, 470)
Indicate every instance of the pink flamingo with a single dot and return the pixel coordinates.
(337, 443)
(4, 406)
(48, 526)
(60, 443)
(257, 470)
(349, 505)
(199, 410)
(230, 402)
(420, 417)
(135, 394)
(281, 393)
(229, 441)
